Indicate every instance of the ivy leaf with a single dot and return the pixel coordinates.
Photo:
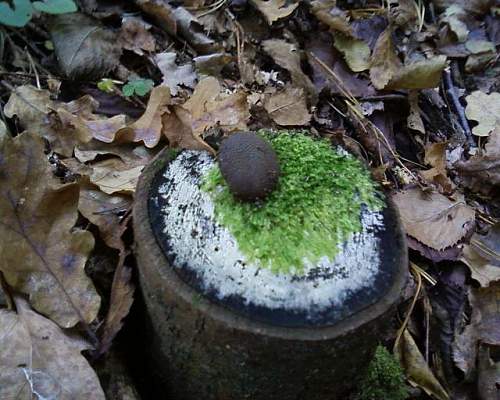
(17, 16)
(139, 87)
(55, 6)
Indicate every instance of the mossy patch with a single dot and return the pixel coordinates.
(316, 207)
(384, 379)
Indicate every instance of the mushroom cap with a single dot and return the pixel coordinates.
(249, 165)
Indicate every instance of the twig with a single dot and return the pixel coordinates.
(412, 306)
(452, 95)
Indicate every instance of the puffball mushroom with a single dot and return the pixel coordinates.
(249, 165)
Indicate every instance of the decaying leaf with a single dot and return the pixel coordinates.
(482, 171)
(483, 256)
(332, 16)
(286, 55)
(208, 107)
(356, 52)
(486, 314)
(435, 156)
(193, 31)
(135, 35)
(414, 118)
(122, 292)
(148, 127)
(288, 107)
(485, 109)
(454, 16)
(405, 14)
(416, 369)
(162, 12)
(387, 71)
(432, 218)
(42, 254)
(84, 48)
(104, 211)
(76, 123)
(419, 75)
(385, 61)
(115, 176)
(274, 10)
(488, 380)
(175, 76)
(31, 106)
(38, 360)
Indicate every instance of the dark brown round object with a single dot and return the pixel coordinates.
(249, 165)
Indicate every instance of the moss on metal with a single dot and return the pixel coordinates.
(316, 207)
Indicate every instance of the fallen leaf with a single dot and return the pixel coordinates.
(42, 254)
(105, 211)
(179, 135)
(332, 16)
(288, 107)
(435, 156)
(384, 61)
(31, 106)
(419, 75)
(287, 56)
(212, 64)
(325, 59)
(356, 52)
(405, 14)
(161, 12)
(483, 269)
(84, 48)
(485, 109)
(114, 176)
(121, 299)
(175, 76)
(38, 360)
(417, 371)
(454, 16)
(135, 35)
(488, 380)
(192, 30)
(75, 123)
(432, 218)
(414, 118)
(486, 313)
(387, 71)
(273, 10)
(148, 127)
(209, 107)
(481, 172)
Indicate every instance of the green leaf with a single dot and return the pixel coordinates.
(19, 16)
(106, 85)
(55, 6)
(138, 86)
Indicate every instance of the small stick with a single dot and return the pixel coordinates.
(452, 95)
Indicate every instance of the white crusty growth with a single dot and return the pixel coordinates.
(211, 251)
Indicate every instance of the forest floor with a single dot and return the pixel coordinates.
(87, 98)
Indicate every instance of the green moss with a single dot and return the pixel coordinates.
(316, 206)
(384, 379)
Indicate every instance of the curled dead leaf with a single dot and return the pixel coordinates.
(149, 126)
